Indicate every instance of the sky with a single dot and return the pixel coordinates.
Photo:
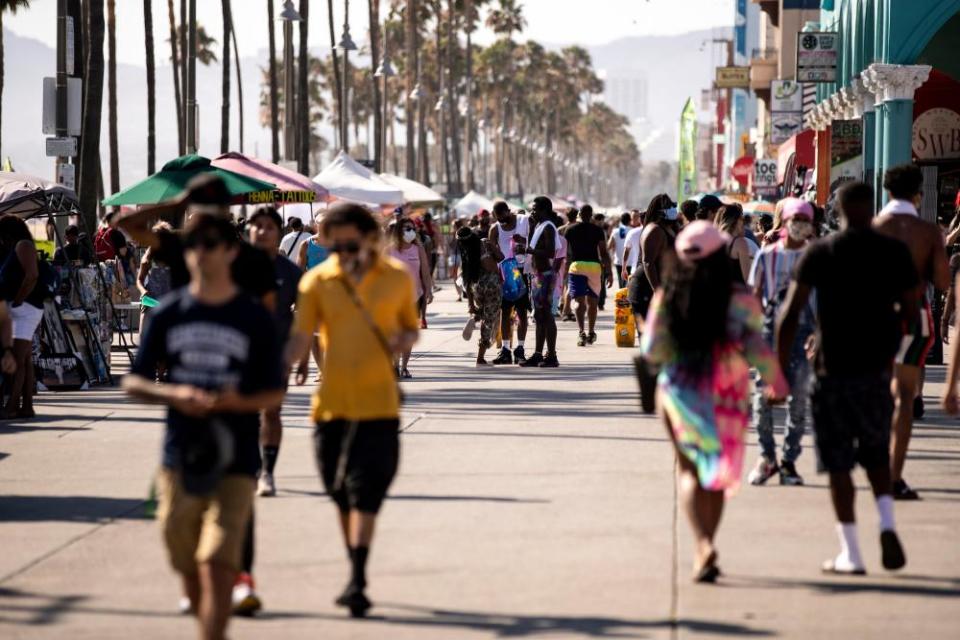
(584, 22)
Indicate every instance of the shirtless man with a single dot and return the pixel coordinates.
(900, 220)
(510, 234)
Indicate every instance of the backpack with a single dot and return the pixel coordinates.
(102, 245)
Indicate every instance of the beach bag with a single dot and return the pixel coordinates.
(514, 286)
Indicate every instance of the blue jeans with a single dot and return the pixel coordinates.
(798, 377)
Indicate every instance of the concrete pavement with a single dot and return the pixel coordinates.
(529, 504)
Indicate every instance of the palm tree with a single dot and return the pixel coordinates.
(175, 58)
(303, 99)
(336, 65)
(507, 19)
(151, 89)
(12, 6)
(272, 66)
(410, 47)
(236, 66)
(225, 82)
(92, 106)
(378, 124)
(112, 96)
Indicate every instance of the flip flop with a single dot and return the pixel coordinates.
(829, 567)
(709, 572)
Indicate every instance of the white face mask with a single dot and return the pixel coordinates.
(799, 230)
(409, 235)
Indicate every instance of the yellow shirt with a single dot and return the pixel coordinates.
(358, 376)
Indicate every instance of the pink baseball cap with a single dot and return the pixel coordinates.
(797, 208)
(700, 239)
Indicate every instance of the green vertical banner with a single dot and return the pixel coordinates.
(687, 161)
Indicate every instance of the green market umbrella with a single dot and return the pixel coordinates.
(170, 181)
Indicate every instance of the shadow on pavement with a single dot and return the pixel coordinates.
(438, 498)
(67, 508)
(896, 587)
(497, 434)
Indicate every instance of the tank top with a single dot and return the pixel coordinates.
(411, 258)
(735, 271)
(316, 253)
(505, 238)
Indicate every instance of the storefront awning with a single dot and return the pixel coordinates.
(801, 149)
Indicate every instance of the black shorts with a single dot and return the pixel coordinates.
(521, 304)
(851, 419)
(371, 462)
(640, 293)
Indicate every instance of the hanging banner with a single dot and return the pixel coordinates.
(817, 56)
(740, 28)
(687, 160)
(784, 125)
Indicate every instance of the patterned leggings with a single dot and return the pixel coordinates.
(487, 298)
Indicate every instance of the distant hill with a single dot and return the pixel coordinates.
(674, 67)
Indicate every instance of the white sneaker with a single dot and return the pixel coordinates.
(245, 600)
(183, 606)
(266, 487)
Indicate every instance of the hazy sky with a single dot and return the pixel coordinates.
(558, 21)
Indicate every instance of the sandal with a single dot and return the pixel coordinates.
(405, 374)
(709, 571)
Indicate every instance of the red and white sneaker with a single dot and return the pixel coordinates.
(246, 602)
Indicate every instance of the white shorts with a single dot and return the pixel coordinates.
(26, 318)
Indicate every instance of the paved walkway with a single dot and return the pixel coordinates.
(529, 504)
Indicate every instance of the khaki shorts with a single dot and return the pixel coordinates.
(202, 529)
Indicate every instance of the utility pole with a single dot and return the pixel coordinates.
(191, 115)
(61, 80)
(346, 45)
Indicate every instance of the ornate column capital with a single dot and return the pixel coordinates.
(863, 98)
(895, 81)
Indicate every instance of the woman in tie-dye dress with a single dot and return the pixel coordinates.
(705, 333)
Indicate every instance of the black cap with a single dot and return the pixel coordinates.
(710, 203)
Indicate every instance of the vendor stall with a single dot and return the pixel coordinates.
(346, 179)
(472, 204)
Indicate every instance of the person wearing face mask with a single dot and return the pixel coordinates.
(769, 280)
(407, 249)
(900, 220)
(362, 304)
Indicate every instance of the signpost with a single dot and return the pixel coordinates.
(62, 147)
(817, 56)
(742, 170)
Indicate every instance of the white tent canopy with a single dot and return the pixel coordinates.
(346, 179)
(471, 204)
(414, 193)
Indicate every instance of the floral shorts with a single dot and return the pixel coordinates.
(542, 289)
(487, 298)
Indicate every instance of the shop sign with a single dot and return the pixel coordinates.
(936, 135)
(785, 125)
(786, 95)
(817, 55)
(846, 150)
(733, 78)
(764, 176)
(281, 197)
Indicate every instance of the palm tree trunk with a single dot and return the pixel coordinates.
(441, 116)
(336, 71)
(410, 45)
(303, 93)
(92, 107)
(453, 105)
(175, 58)
(225, 93)
(274, 106)
(379, 161)
(468, 16)
(112, 96)
(151, 89)
(236, 66)
(184, 54)
(2, 74)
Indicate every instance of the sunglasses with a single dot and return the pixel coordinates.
(346, 247)
(206, 242)
(408, 229)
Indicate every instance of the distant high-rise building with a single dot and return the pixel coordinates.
(626, 93)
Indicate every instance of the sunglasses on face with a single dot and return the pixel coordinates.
(207, 242)
(345, 247)
(407, 229)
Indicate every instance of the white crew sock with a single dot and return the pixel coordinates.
(519, 344)
(506, 344)
(849, 556)
(885, 509)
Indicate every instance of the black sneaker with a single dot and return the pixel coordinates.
(582, 340)
(902, 491)
(789, 475)
(532, 361)
(918, 408)
(504, 357)
(550, 362)
(592, 338)
(354, 599)
(519, 357)
(892, 551)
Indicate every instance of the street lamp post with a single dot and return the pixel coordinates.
(385, 71)
(346, 45)
(191, 88)
(289, 15)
